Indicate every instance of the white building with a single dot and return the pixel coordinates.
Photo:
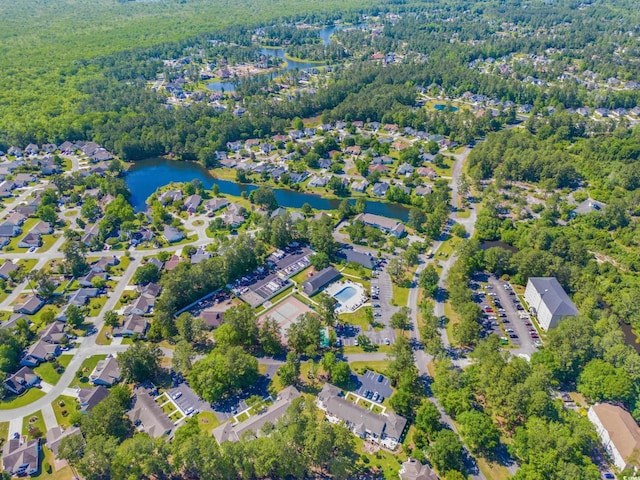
(548, 301)
(619, 434)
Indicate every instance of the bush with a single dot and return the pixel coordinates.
(47, 468)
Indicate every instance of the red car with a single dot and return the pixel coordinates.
(488, 309)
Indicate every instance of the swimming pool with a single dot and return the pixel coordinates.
(345, 294)
(441, 107)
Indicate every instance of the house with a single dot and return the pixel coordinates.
(213, 316)
(147, 415)
(106, 373)
(172, 234)
(156, 262)
(380, 189)
(427, 172)
(321, 279)
(388, 225)
(28, 209)
(141, 306)
(42, 228)
(40, 352)
(6, 269)
(56, 434)
(67, 148)
(32, 149)
(22, 380)
(318, 181)
(423, 190)
(399, 145)
(360, 187)
(173, 262)
(81, 296)
(24, 179)
(232, 220)
(87, 280)
(49, 147)
(54, 333)
(233, 432)
(21, 458)
(378, 168)
(216, 204)
(192, 203)
(15, 152)
(30, 306)
(142, 235)
(412, 469)
(89, 397)
(200, 256)
(618, 432)
(9, 231)
(405, 169)
(354, 150)
(91, 232)
(15, 219)
(132, 325)
(170, 196)
(103, 263)
(548, 301)
(364, 259)
(151, 289)
(384, 429)
(30, 240)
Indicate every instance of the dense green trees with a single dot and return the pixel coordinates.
(140, 362)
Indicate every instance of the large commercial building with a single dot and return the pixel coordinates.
(619, 434)
(548, 301)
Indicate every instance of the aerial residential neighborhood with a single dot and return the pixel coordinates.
(361, 241)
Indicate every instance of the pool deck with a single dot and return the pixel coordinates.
(357, 300)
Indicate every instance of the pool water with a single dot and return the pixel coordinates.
(440, 107)
(345, 294)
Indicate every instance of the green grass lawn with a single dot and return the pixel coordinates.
(464, 213)
(382, 463)
(301, 276)
(119, 269)
(26, 398)
(400, 296)
(48, 374)
(207, 422)
(47, 242)
(68, 405)
(102, 339)
(359, 317)
(4, 431)
(28, 424)
(452, 318)
(378, 349)
(96, 304)
(242, 417)
(86, 368)
(65, 473)
(379, 366)
(361, 272)
(27, 264)
(37, 318)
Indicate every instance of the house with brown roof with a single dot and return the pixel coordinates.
(42, 228)
(618, 432)
(30, 240)
(39, 352)
(141, 306)
(54, 333)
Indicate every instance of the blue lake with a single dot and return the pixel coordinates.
(146, 176)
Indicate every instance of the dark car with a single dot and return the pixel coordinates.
(380, 377)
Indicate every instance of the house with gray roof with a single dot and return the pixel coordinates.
(229, 432)
(39, 352)
(89, 397)
(6, 269)
(172, 234)
(81, 296)
(132, 325)
(141, 306)
(147, 415)
(412, 469)
(387, 225)
(106, 373)
(385, 429)
(548, 301)
(20, 381)
(54, 333)
(31, 305)
(30, 240)
(56, 434)
(320, 280)
(21, 457)
(380, 189)
(361, 258)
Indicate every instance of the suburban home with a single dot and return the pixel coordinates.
(107, 372)
(412, 469)
(82, 296)
(192, 203)
(318, 181)
(30, 240)
(14, 152)
(200, 256)
(147, 415)
(360, 187)
(142, 235)
(89, 397)
(380, 189)
(42, 228)
(388, 225)
(213, 316)
(427, 172)
(21, 457)
(56, 434)
(354, 150)
(67, 147)
(233, 432)
(103, 263)
(9, 231)
(6, 269)
(548, 301)
(321, 279)
(91, 232)
(156, 262)
(132, 325)
(151, 289)
(405, 169)
(24, 179)
(173, 262)
(170, 196)
(49, 147)
(28, 209)
(618, 432)
(31, 305)
(385, 429)
(16, 219)
(215, 204)
(22, 380)
(423, 190)
(54, 333)
(172, 234)
(32, 149)
(87, 280)
(399, 145)
(141, 306)
(40, 352)
(232, 220)
(378, 168)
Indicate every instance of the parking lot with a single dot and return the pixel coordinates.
(381, 295)
(369, 386)
(501, 308)
(185, 398)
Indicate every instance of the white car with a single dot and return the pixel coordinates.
(177, 395)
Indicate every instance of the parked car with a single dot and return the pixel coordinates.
(177, 395)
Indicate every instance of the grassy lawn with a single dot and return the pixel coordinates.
(86, 368)
(400, 295)
(492, 470)
(464, 213)
(119, 269)
(361, 272)
(453, 319)
(64, 473)
(384, 463)
(37, 318)
(96, 304)
(242, 417)
(27, 264)
(4, 431)
(48, 241)
(379, 366)
(301, 276)
(26, 398)
(359, 317)
(48, 374)
(102, 339)
(28, 424)
(378, 349)
(207, 422)
(68, 405)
